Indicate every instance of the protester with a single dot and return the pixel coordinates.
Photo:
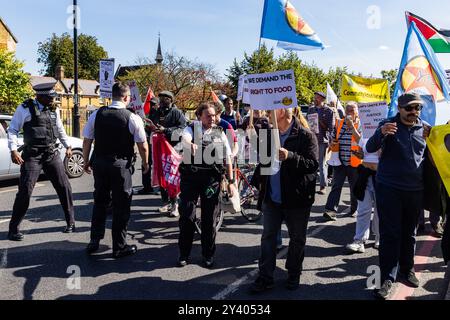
(230, 115)
(364, 191)
(115, 130)
(287, 194)
(41, 123)
(201, 179)
(147, 176)
(345, 139)
(326, 124)
(228, 129)
(399, 189)
(168, 119)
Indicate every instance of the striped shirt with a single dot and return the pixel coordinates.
(345, 143)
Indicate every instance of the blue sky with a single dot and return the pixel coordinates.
(217, 31)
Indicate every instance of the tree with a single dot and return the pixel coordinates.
(391, 76)
(58, 50)
(189, 80)
(14, 82)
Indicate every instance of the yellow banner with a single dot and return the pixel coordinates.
(439, 144)
(364, 90)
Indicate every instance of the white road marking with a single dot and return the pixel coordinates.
(3, 221)
(222, 295)
(38, 185)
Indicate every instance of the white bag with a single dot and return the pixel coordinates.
(229, 204)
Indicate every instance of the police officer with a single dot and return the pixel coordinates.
(115, 131)
(205, 147)
(168, 119)
(42, 126)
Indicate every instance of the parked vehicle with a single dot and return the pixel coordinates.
(8, 170)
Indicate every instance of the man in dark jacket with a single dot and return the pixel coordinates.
(168, 119)
(399, 190)
(287, 194)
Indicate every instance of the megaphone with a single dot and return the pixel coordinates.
(334, 159)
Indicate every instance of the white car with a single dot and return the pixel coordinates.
(8, 170)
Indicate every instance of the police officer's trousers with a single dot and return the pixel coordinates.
(112, 180)
(30, 171)
(193, 187)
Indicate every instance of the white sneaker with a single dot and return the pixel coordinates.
(377, 243)
(166, 208)
(174, 211)
(356, 247)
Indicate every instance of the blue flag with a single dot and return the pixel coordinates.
(283, 23)
(421, 72)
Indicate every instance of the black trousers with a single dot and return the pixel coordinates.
(445, 243)
(53, 168)
(194, 186)
(147, 177)
(112, 180)
(398, 212)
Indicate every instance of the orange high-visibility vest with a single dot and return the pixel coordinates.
(354, 161)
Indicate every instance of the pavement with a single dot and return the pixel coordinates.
(50, 265)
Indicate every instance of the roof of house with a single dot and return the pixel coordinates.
(6, 27)
(123, 70)
(87, 87)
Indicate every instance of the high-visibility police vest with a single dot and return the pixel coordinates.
(354, 161)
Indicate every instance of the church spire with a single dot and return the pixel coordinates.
(159, 57)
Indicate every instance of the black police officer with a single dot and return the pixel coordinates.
(205, 147)
(115, 131)
(42, 126)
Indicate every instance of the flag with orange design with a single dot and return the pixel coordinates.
(282, 22)
(421, 72)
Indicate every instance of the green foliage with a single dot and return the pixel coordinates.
(309, 78)
(14, 83)
(58, 50)
(391, 76)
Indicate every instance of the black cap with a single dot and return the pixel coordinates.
(320, 93)
(408, 99)
(166, 94)
(45, 89)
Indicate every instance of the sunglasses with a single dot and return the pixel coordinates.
(416, 107)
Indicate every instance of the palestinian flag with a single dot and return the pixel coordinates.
(438, 39)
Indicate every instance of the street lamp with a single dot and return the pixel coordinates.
(76, 109)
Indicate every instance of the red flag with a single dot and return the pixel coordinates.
(149, 97)
(165, 165)
(216, 99)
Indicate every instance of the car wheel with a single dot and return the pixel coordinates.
(74, 165)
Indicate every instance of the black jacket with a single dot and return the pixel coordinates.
(298, 172)
(171, 119)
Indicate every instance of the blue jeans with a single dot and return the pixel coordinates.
(297, 223)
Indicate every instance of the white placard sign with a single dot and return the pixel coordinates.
(313, 121)
(371, 114)
(240, 93)
(271, 91)
(136, 102)
(245, 91)
(106, 77)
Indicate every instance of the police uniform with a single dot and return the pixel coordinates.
(42, 127)
(201, 180)
(115, 131)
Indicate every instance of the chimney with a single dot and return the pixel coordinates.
(59, 74)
